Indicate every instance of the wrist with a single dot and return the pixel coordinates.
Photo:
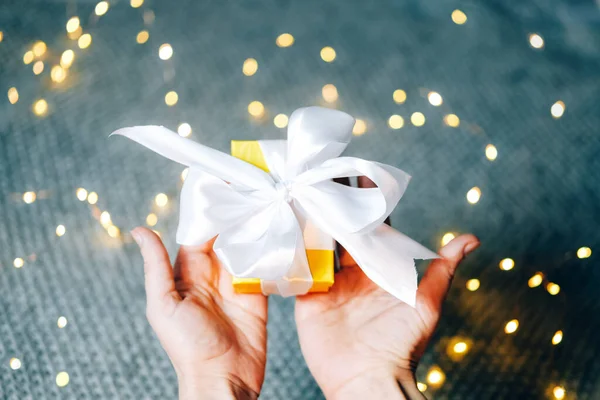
(213, 387)
(378, 385)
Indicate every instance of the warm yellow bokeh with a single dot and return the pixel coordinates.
(84, 41)
(142, 37)
(399, 96)
(250, 67)
(171, 98)
(328, 54)
(473, 195)
(330, 93)
(458, 17)
(280, 120)
(256, 109)
(284, 40)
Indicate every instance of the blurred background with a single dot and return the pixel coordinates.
(493, 107)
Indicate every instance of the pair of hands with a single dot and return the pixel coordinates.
(358, 341)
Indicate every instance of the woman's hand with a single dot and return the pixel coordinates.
(215, 338)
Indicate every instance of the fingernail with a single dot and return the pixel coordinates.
(470, 247)
(137, 237)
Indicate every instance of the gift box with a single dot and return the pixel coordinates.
(319, 245)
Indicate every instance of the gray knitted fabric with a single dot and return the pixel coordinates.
(540, 198)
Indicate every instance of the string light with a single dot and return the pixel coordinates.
(458, 17)
(58, 74)
(184, 174)
(142, 37)
(184, 129)
(396, 121)
(165, 51)
(40, 107)
(76, 34)
(559, 392)
(507, 264)
(328, 54)
(250, 67)
(66, 59)
(284, 40)
(73, 24)
(584, 252)
(558, 109)
(473, 284)
(399, 96)
(435, 99)
(105, 219)
(38, 67)
(417, 119)
(280, 120)
(256, 109)
(491, 152)
(62, 379)
(39, 48)
(436, 377)
(101, 8)
(136, 3)
(29, 197)
(330, 93)
(473, 195)
(13, 95)
(360, 127)
(511, 326)
(552, 288)
(452, 120)
(536, 41)
(151, 219)
(557, 338)
(171, 98)
(60, 230)
(161, 199)
(535, 280)
(14, 363)
(92, 198)
(113, 231)
(81, 194)
(28, 57)
(84, 41)
(447, 238)
(421, 386)
(18, 262)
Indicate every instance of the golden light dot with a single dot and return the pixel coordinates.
(417, 119)
(58, 74)
(396, 122)
(14, 363)
(559, 392)
(81, 194)
(491, 152)
(13, 95)
(458, 17)
(280, 120)
(92, 198)
(256, 109)
(584, 252)
(330, 93)
(165, 51)
(38, 67)
(536, 41)
(101, 8)
(507, 264)
(284, 40)
(473, 284)
(399, 96)
(184, 174)
(62, 379)
(473, 195)
(75, 34)
(460, 347)
(328, 54)
(1, 36)
(39, 48)
(73, 24)
(161, 199)
(60, 230)
(421, 386)
(171, 98)
(28, 57)
(250, 67)
(66, 59)
(29, 197)
(557, 338)
(18, 262)
(436, 377)
(113, 231)
(142, 37)
(151, 219)
(62, 322)
(184, 129)
(136, 3)
(447, 238)
(553, 288)
(435, 99)
(360, 127)
(452, 120)
(535, 280)
(511, 326)
(105, 219)
(40, 107)
(84, 41)
(558, 109)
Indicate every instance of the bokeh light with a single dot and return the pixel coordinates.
(553, 288)
(535, 280)
(66, 58)
(511, 326)
(62, 379)
(360, 127)
(81, 194)
(417, 119)
(284, 40)
(28, 57)
(14, 363)
(584, 252)
(58, 74)
(62, 322)
(13, 95)
(29, 197)
(101, 8)
(473, 284)
(171, 98)
(280, 120)
(18, 262)
(39, 48)
(330, 93)
(452, 120)
(447, 238)
(142, 37)
(136, 3)
(256, 109)
(92, 198)
(399, 96)
(491, 152)
(473, 195)
(536, 41)
(151, 219)
(38, 67)
(250, 67)
(161, 199)
(73, 24)
(559, 392)
(165, 51)
(435, 377)
(184, 130)
(84, 41)
(396, 122)
(458, 17)
(507, 264)
(558, 109)
(557, 338)
(60, 230)
(435, 99)
(40, 107)
(328, 54)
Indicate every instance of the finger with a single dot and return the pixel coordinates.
(158, 274)
(195, 263)
(437, 279)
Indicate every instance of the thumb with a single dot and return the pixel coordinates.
(436, 282)
(158, 273)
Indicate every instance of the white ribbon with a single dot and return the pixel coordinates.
(257, 216)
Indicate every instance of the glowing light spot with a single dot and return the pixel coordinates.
(399, 96)
(280, 120)
(396, 122)
(113, 231)
(435, 99)
(76, 34)
(171, 98)
(13, 95)
(81, 194)
(38, 67)
(584, 252)
(330, 93)
(136, 3)
(29, 197)
(460, 347)
(328, 54)
(360, 127)
(184, 129)
(507, 264)
(142, 37)
(105, 219)
(101, 8)
(452, 120)
(473, 195)
(558, 109)
(92, 198)
(473, 284)
(84, 41)
(40, 107)
(1, 36)
(161, 199)
(284, 40)
(73, 24)
(256, 109)
(66, 59)
(447, 238)
(536, 41)
(62, 379)
(557, 338)
(58, 74)
(417, 119)
(184, 174)
(421, 386)
(458, 17)
(552, 288)
(511, 326)
(535, 280)
(60, 230)
(165, 51)
(62, 322)
(151, 219)
(559, 392)
(14, 363)
(39, 48)
(250, 67)
(491, 152)
(435, 377)
(18, 262)
(28, 57)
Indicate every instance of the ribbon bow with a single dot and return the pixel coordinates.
(257, 216)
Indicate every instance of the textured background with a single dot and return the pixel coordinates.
(540, 198)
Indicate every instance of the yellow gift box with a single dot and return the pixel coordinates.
(319, 246)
